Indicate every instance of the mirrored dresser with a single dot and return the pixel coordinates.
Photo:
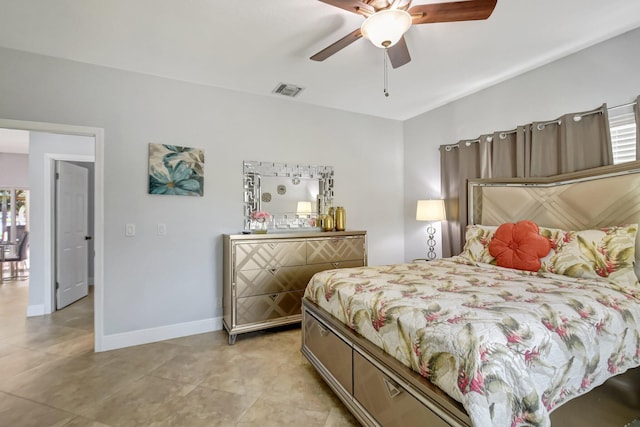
(265, 274)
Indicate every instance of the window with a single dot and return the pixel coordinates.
(623, 136)
(13, 214)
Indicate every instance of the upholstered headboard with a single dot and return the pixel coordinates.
(593, 198)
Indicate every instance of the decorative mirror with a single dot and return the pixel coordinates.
(292, 195)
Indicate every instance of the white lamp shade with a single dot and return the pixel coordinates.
(304, 208)
(386, 27)
(430, 210)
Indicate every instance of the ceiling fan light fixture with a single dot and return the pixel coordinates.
(386, 27)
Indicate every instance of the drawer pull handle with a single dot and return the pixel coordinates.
(392, 388)
(274, 297)
(273, 271)
(323, 332)
(335, 264)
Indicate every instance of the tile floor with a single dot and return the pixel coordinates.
(50, 376)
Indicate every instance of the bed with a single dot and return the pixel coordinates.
(463, 342)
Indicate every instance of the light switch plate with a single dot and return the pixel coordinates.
(162, 229)
(130, 230)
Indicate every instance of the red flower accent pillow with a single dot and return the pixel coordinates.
(519, 246)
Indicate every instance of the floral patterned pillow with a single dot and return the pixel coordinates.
(476, 247)
(607, 252)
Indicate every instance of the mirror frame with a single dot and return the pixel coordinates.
(253, 171)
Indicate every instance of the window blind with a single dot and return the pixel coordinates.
(623, 137)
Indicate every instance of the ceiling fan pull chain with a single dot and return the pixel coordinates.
(386, 76)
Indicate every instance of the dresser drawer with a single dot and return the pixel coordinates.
(267, 307)
(272, 280)
(335, 249)
(330, 350)
(388, 402)
(337, 264)
(270, 254)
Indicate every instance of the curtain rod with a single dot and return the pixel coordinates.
(501, 135)
(629, 104)
(540, 126)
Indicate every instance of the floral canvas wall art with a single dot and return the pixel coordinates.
(175, 170)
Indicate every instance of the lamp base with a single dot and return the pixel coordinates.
(431, 243)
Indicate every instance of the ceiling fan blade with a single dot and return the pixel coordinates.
(471, 10)
(399, 54)
(354, 6)
(337, 46)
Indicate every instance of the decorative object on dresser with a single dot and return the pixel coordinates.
(430, 210)
(341, 219)
(265, 275)
(304, 209)
(327, 221)
(280, 188)
(303, 212)
(260, 221)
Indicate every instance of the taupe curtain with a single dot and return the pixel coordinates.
(636, 109)
(573, 142)
(569, 143)
(471, 159)
(450, 189)
(511, 154)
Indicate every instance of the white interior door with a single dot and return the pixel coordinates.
(71, 233)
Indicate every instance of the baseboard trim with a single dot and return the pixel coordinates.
(161, 333)
(35, 310)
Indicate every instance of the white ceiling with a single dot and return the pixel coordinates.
(252, 45)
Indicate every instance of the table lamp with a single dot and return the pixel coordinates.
(303, 209)
(430, 210)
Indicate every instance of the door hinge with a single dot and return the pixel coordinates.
(57, 286)
(57, 175)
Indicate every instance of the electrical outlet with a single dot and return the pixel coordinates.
(162, 229)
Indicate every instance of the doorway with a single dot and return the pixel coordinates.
(41, 297)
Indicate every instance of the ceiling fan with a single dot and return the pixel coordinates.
(388, 20)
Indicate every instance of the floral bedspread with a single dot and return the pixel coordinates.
(509, 345)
